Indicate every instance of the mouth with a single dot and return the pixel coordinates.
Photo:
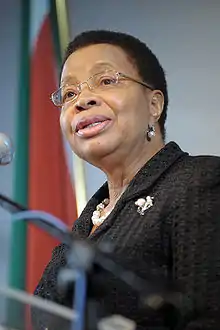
(91, 126)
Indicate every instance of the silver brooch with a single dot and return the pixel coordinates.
(144, 204)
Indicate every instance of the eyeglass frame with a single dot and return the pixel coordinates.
(79, 89)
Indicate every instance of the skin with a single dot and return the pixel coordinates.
(121, 149)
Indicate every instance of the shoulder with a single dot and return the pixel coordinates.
(203, 161)
(198, 169)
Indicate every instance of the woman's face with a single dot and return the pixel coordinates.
(119, 114)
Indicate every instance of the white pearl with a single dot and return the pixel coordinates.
(140, 202)
(98, 221)
(100, 206)
(96, 214)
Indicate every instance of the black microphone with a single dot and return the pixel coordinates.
(6, 149)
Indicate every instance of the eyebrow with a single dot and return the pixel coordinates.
(93, 70)
(68, 79)
(101, 65)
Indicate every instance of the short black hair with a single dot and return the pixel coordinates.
(146, 62)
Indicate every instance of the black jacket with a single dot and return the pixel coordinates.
(178, 238)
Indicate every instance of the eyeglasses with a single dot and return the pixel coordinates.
(100, 81)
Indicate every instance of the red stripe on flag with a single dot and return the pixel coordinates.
(49, 180)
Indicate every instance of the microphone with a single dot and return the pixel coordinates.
(6, 149)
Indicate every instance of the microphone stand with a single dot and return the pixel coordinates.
(80, 262)
(59, 230)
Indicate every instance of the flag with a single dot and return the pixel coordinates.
(41, 170)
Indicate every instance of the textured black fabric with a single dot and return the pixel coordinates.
(177, 238)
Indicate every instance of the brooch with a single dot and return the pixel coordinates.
(144, 204)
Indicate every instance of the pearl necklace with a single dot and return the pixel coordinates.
(97, 219)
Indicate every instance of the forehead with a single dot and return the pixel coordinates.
(96, 58)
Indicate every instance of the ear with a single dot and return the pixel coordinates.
(156, 105)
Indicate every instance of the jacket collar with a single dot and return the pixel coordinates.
(142, 182)
(153, 170)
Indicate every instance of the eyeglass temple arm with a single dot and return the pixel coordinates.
(137, 81)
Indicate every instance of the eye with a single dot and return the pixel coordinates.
(69, 94)
(107, 80)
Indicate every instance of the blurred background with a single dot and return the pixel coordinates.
(183, 35)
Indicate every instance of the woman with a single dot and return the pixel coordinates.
(160, 206)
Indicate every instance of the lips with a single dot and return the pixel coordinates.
(90, 126)
(83, 123)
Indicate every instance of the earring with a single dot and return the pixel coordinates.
(150, 132)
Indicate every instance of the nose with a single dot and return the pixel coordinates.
(85, 103)
(86, 99)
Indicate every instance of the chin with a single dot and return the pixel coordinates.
(95, 152)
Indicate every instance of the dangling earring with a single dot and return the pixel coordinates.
(150, 132)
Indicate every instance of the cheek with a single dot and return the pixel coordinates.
(64, 124)
(131, 110)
